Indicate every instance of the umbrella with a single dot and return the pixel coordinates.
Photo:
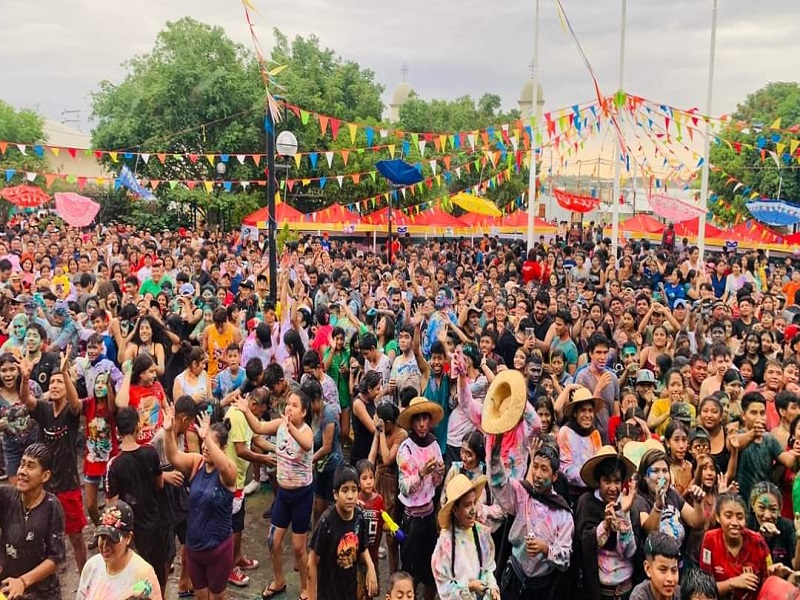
(76, 210)
(399, 172)
(476, 205)
(25, 196)
(674, 209)
(775, 212)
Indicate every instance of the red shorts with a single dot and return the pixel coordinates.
(74, 517)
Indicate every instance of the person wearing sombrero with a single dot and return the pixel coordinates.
(579, 439)
(541, 528)
(605, 544)
(463, 561)
(420, 472)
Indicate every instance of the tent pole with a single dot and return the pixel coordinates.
(618, 146)
(535, 126)
(701, 226)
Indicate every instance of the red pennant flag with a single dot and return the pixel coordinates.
(335, 123)
(154, 183)
(290, 184)
(737, 146)
(98, 155)
(193, 158)
(190, 184)
(81, 183)
(3, 146)
(429, 183)
(256, 159)
(323, 124)
(428, 137)
(73, 152)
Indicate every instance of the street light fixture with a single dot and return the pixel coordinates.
(285, 145)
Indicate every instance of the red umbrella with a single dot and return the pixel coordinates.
(641, 224)
(25, 196)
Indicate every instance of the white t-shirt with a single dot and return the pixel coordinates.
(136, 580)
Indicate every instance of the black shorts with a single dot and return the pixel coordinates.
(153, 546)
(178, 530)
(238, 518)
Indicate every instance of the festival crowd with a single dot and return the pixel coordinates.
(492, 421)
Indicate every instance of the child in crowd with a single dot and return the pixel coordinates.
(371, 503)
(401, 586)
(340, 539)
(661, 567)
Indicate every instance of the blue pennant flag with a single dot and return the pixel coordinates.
(128, 180)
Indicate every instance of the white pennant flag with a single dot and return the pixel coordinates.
(329, 158)
(514, 142)
(422, 147)
(21, 148)
(340, 179)
(240, 158)
(245, 184)
(433, 166)
(403, 191)
(384, 134)
(31, 177)
(458, 172)
(471, 140)
(145, 157)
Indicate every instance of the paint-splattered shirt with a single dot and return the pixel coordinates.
(417, 491)
(136, 580)
(453, 576)
(574, 451)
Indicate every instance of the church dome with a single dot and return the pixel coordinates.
(401, 93)
(526, 94)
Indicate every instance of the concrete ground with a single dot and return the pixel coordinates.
(255, 535)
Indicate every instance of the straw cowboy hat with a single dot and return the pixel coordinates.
(459, 486)
(587, 471)
(419, 406)
(580, 396)
(634, 451)
(505, 402)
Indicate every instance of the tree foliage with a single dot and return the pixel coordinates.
(759, 111)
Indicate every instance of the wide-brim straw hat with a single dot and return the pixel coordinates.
(458, 486)
(581, 396)
(419, 406)
(505, 402)
(606, 452)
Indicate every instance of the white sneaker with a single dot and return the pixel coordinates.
(251, 487)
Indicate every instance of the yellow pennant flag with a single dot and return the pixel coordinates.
(210, 159)
(55, 150)
(779, 147)
(793, 144)
(352, 127)
(776, 124)
(209, 185)
(391, 150)
(297, 158)
(113, 156)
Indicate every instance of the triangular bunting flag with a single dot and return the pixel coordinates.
(352, 127)
(55, 150)
(356, 178)
(21, 148)
(256, 159)
(113, 156)
(297, 159)
(391, 148)
(49, 178)
(241, 158)
(421, 145)
(329, 158)
(162, 158)
(335, 123)
(4, 145)
(323, 124)
(145, 157)
(209, 185)
(345, 156)
(210, 159)
(340, 180)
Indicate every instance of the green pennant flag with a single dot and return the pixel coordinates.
(172, 183)
(304, 114)
(372, 175)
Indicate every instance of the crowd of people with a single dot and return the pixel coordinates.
(490, 420)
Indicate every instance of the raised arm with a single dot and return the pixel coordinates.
(185, 462)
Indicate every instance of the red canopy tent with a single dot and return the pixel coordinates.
(519, 218)
(283, 214)
(754, 232)
(476, 220)
(691, 227)
(335, 213)
(641, 224)
(381, 217)
(436, 217)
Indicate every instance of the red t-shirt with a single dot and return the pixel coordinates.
(722, 565)
(101, 437)
(148, 401)
(531, 271)
(372, 514)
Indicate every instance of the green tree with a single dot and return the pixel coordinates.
(759, 111)
(24, 127)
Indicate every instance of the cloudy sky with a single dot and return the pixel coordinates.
(53, 52)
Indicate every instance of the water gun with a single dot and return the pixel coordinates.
(393, 527)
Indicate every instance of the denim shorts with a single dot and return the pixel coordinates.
(14, 448)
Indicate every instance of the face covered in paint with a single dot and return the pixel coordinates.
(19, 327)
(33, 341)
(101, 386)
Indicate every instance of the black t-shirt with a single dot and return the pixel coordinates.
(60, 433)
(338, 544)
(132, 476)
(740, 328)
(28, 542)
(44, 368)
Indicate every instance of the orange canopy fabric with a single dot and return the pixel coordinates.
(691, 227)
(335, 213)
(283, 214)
(641, 224)
(381, 217)
(436, 217)
(754, 232)
(519, 218)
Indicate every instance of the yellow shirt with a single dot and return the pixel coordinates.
(661, 407)
(240, 432)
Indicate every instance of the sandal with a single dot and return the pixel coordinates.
(270, 593)
(186, 594)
